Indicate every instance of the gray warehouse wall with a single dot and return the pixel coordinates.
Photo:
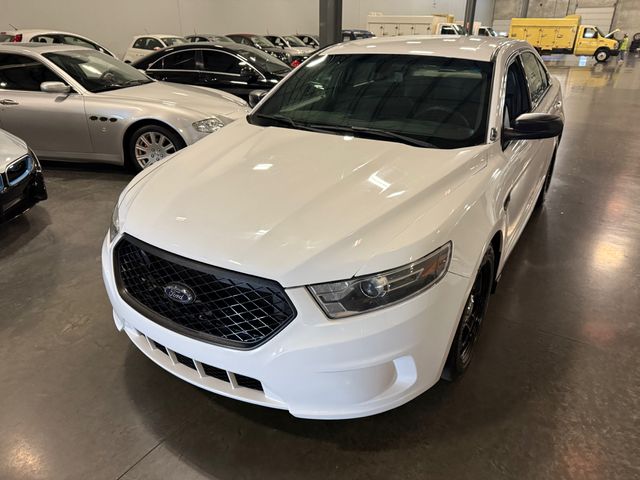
(113, 23)
(626, 17)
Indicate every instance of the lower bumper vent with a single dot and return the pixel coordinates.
(235, 379)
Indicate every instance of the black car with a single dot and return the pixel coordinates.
(21, 180)
(231, 67)
(262, 43)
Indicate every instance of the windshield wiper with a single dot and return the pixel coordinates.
(375, 132)
(371, 132)
(286, 121)
(133, 83)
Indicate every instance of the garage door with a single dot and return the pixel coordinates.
(601, 17)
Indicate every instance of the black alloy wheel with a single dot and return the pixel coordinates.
(470, 324)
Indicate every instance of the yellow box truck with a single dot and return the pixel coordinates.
(564, 35)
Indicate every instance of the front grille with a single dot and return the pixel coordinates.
(19, 170)
(198, 300)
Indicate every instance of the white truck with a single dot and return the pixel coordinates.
(395, 25)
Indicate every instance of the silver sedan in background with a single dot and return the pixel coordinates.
(76, 104)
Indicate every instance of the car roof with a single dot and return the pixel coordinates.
(159, 35)
(35, 31)
(39, 47)
(207, 45)
(454, 46)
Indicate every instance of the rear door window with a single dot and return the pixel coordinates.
(141, 43)
(220, 62)
(183, 60)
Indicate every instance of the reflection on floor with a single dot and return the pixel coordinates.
(553, 391)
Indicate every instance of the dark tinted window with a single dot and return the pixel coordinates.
(184, 60)
(443, 101)
(220, 62)
(536, 75)
(18, 72)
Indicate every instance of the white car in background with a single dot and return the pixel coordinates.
(52, 37)
(333, 253)
(143, 45)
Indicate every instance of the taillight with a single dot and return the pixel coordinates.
(17, 38)
(295, 63)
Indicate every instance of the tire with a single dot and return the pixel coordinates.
(547, 183)
(154, 142)
(470, 324)
(602, 55)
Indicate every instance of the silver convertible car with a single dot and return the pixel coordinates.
(77, 104)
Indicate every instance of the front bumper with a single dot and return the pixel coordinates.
(315, 367)
(17, 199)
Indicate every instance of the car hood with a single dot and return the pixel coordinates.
(11, 148)
(205, 101)
(294, 206)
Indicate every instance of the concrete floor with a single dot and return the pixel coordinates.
(553, 393)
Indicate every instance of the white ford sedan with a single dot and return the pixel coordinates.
(333, 253)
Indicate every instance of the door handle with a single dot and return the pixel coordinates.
(8, 101)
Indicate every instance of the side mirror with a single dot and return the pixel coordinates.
(55, 87)
(255, 96)
(534, 126)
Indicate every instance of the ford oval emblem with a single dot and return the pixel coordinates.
(179, 293)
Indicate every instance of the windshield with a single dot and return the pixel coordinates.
(262, 42)
(434, 100)
(5, 37)
(97, 72)
(264, 61)
(172, 41)
(294, 41)
(600, 32)
(460, 29)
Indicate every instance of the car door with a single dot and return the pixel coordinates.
(587, 41)
(179, 67)
(518, 153)
(228, 72)
(53, 124)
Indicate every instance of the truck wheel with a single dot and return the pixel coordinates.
(602, 54)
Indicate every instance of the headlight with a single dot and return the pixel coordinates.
(114, 228)
(208, 125)
(363, 294)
